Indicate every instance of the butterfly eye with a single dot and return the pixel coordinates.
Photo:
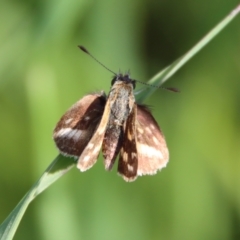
(134, 84)
(113, 80)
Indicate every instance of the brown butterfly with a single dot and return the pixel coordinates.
(118, 125)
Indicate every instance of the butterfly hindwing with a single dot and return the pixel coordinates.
(128, 159)
(151, 145)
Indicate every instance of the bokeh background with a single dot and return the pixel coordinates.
(42, 73)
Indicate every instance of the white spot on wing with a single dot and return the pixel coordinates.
(86, 118)
(155, 140)
(96, 150)
(148, 130)
(101, 131)
(140, 130)
(150, 151)
(68, 121)
(152, 126)
(130, 168)
(90, 145)
(129, 136)
(70, 133)
(133, 154)
(63, 132)
(86, 158)
(125, 157)
(77, 134)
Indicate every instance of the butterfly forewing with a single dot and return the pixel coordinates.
(112, 143)
(89, 156)
(76, 127)
(151, 145)
(128, 160)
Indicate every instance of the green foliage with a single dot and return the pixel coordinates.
(59, 166)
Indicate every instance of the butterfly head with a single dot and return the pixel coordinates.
(123, 78)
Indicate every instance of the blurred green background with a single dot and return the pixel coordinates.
(42, 73)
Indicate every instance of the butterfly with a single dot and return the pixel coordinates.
(118, 125)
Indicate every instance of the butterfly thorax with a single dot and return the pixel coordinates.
(122, 100)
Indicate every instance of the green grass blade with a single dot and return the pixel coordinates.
(57, 168)
(167, 72)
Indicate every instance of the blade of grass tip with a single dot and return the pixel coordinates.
(56, 169)
(167, 72)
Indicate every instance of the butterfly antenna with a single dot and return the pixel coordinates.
(87, 52)
(171, 89)
(151, 85)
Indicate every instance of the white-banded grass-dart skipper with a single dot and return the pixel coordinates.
(118, 125)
